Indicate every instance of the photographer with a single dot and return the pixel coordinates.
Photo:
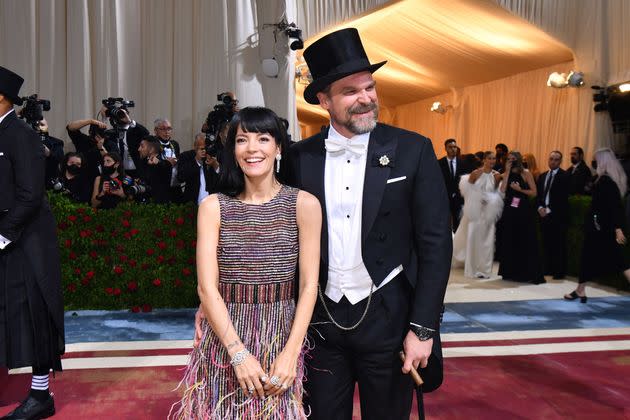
(170, 152)
(153, 171)
(196, 171)
(73, 181)
(108, 191)
(125, 134)
(53, 151)
(216, 124)
(93, 146)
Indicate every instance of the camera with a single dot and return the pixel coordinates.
(56, 185)
(216, 121)
(33, 110)
(134, 188)
(115, 110)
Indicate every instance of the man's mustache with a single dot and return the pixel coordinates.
(360, 109)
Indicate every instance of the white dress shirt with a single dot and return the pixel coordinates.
(4, 241)
(128, 162)
(343, 182)
(454, 160)
(202, 185)
(553, 175)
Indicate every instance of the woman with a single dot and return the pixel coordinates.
(529, 163)
(602, 249)
(519, 258)
(108, 191)
(250, 237)
(73, 179)
(473, 244)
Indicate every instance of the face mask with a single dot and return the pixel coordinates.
(108, 170)
(73, 169)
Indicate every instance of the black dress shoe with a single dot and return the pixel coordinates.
(31, 409)
(538, 281)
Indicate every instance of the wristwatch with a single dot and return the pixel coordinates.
(423, 333)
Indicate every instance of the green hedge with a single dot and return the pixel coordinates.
(139, 257)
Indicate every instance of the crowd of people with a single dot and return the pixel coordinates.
(495, 198)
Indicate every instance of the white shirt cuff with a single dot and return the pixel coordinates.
(4, 242)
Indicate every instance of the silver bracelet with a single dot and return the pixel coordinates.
(239, 357)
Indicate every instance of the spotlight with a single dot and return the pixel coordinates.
(557, 80)
(293, 32)
(439, 108)
(576, 79)
(624, 87)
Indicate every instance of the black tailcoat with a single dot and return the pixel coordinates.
(27, 221)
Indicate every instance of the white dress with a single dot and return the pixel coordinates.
(473, 243)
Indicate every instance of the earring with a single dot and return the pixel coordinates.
(278, 159)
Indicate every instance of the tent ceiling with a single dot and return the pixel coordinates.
(433, 46)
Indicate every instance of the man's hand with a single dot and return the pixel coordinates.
(126, 119)
(172, 161)
(213, 162)
(542, 212)
(416, 352)
(153, 160)
(199, 316)
(98, 123)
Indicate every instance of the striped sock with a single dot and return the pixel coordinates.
(39, 387)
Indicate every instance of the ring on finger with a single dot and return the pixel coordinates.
(275, 381)
(251, 390)
(284, 387)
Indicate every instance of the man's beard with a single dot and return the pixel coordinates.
(364, 124)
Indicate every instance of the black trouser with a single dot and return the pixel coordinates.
(455, 205)
(554, 234)
(367, 355)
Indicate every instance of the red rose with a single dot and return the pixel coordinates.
(135, 309)
(191, 216)
(146, 308)
(178, 283)
(157, 282)
(86, 218)
(118, 270)
(72, 218)
(161, 245)
(128, 213)
(144, 266)
(159, 259)
(179, 221)
(109, 290)
(93, 254)
(191, 260)
(72, 255)
(165, 221)
(107, 259)
(132, 263)
(120, 248)
(150, 251)
(62, 226)
(117, 292)
(114, 233)
(126, 223)
(68, 243)
(123, 258)
(193, 243)
(85, 281)
(100, 228)
(81, 210)
(84, 233)
(72, 287)
(186, 271)
(103, 242)
(180, 244)
(134, 232)
(172, 233)
(132, 286)
(77, 271)
(158, 233)
(89, 274)
(171, 260)
(127, 235)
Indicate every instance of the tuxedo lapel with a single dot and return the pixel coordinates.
(312, 177)
(376, 175)
(7, 120)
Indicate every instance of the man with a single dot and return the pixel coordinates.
(579, 173)
(31, 308)
(127, 134)
(452, 170)
(154, 171)
(53, 151)
(386, 242)
(501, 152)
(92, 146)
(553, 209)
(170, 152)
(195, 171)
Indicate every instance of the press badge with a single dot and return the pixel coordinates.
(515, 202)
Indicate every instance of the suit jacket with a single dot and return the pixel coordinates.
(452, 183)
(135, 135)
(25, 216)
(158, 177)
(579, 177)
(83, 144)
(174, 145)
(188, 172)
(558, 196)
(401, 225)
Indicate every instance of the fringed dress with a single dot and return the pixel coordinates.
(257, 256)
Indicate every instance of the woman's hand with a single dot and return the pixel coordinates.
(250, 376)
(284, 368)
(516, 186)
(620, 237)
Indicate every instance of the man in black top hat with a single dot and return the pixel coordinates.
(386, 243)
(31, 309)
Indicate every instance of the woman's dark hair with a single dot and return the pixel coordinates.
(66, 158)
(116, 158)
(517, 166)
(252, 120)
(470, 161)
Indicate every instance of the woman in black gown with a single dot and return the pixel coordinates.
(602, 249)
(519, 258)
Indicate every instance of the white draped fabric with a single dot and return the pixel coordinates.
(473, 243)
(170, 57)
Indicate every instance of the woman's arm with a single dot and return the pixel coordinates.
(309, 221)
(529, 178)
(95, 192)
(248, 372)
(474, 175)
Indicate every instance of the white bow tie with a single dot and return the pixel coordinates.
(335, 146)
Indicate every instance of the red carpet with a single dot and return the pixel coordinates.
(593, 385)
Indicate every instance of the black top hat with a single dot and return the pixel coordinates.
(333, 57)
(10, 84)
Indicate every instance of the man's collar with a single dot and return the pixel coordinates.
(357, 139)
(5, 115)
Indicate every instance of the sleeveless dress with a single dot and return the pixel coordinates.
(518, 248)
(257, 255)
